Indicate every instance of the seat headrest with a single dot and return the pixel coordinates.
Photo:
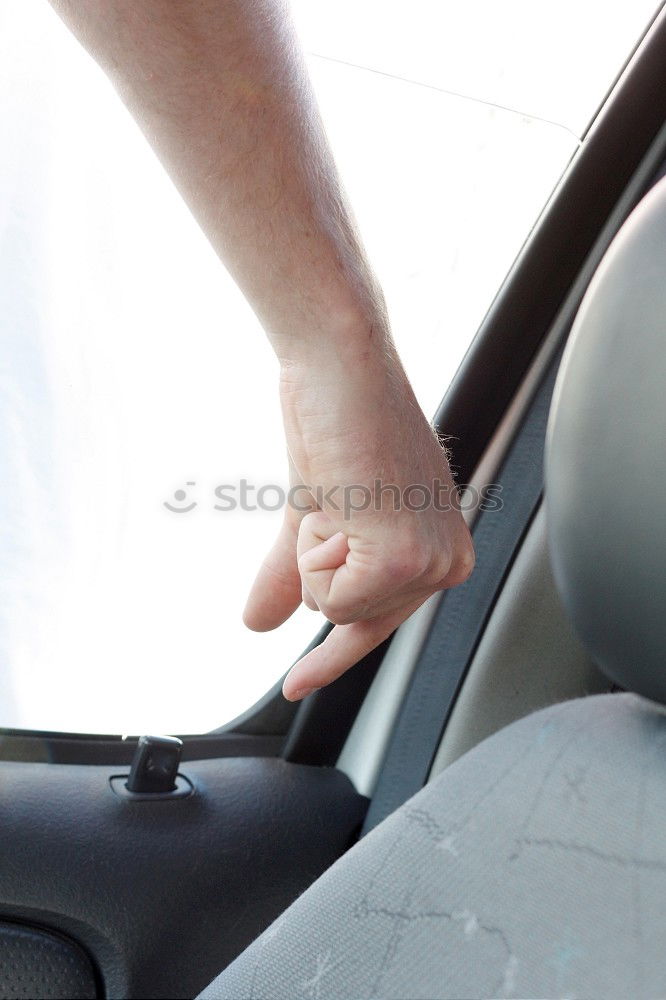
(606, 459)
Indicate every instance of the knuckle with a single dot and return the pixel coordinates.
(302, 563)
(438, 563)
(457, 567)
(462, 564)
(306, 528)
(410, 560)
(335, 614)
(339, 612)
(314, 522)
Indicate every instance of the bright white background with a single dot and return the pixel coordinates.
(130, 364)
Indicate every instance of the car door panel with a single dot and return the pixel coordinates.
(165, 893)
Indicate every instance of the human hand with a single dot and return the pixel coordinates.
(357, 437)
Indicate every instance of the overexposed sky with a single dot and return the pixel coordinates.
(552, 61)
(130, 365)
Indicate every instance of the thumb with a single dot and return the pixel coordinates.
(276, 591)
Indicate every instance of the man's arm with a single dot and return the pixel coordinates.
(221, 91)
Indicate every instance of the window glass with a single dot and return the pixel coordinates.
(133, 374)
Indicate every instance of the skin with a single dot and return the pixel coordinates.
(220, 89)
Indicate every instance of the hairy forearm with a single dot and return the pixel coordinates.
(220, 90)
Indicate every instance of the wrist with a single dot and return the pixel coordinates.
(356, 374)
(340, 334)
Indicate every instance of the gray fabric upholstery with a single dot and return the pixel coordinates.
(606, 460)
(535, 866)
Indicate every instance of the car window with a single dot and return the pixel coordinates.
(139, 424)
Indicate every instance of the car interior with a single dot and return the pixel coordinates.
(477, 808)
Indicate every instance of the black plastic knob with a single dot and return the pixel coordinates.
(155, 765)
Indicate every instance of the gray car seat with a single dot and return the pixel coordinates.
(535, 866)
